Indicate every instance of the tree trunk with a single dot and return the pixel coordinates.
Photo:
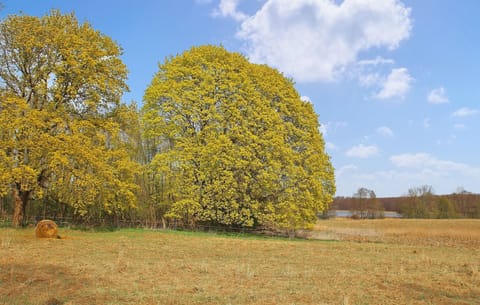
(20, 205)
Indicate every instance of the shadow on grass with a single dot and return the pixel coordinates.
(427, 294)
(232, 234)
(34, 284)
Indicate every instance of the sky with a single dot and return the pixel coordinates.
(395, 83)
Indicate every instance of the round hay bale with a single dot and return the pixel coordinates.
(46, 229)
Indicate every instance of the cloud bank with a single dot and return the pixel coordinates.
(411, 170)
(316, 40)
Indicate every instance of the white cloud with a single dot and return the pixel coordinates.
(410, 160)
(459, 126)
(376, 61)
(332, 126)
(346, 169)
(388, 84)
(305, 98)
(317, 40)
(228, 8)
(438, 96)
(410, 170)
(397, 84)
(396, 182)
(385, 131)
(427, 161)
(331, 146)
(323, 130)
(362, 151)
(464, 112)
(369, 79)
(367, 71)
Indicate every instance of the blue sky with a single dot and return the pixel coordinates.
(394, 82)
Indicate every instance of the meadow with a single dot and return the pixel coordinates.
(344, 262)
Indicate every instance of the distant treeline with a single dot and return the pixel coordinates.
(457, 205)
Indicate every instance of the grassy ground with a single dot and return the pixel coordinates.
(357, 262)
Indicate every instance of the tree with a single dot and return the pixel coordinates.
(235, 144)
(420, 203)
(464, 201)
(446, 209)
(62, 125)
(366, 204)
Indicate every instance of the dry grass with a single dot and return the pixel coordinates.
(145, 267)
(448, 232)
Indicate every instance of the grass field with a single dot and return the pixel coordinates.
(346, 262)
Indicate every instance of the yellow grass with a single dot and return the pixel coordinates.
(447, 232)
(395, 262)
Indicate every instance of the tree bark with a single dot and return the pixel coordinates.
(21, 199)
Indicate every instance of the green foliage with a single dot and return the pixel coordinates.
(446, 209)
(62, 127)
(420, 203)
(233, 144)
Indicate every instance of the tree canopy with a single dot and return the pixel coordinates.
(219, 140)
(233, 143)
(61, 120)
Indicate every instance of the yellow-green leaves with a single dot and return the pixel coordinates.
(225, 142)
(62, 126)
(56, 63)
(235, 144)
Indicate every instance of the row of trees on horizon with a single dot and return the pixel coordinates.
(419, 202)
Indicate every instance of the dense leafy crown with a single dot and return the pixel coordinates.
(234, 143)
(60, 114)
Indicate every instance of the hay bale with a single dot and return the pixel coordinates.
(46, 229)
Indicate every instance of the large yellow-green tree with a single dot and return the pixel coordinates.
(62, 125)
(235, 144)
